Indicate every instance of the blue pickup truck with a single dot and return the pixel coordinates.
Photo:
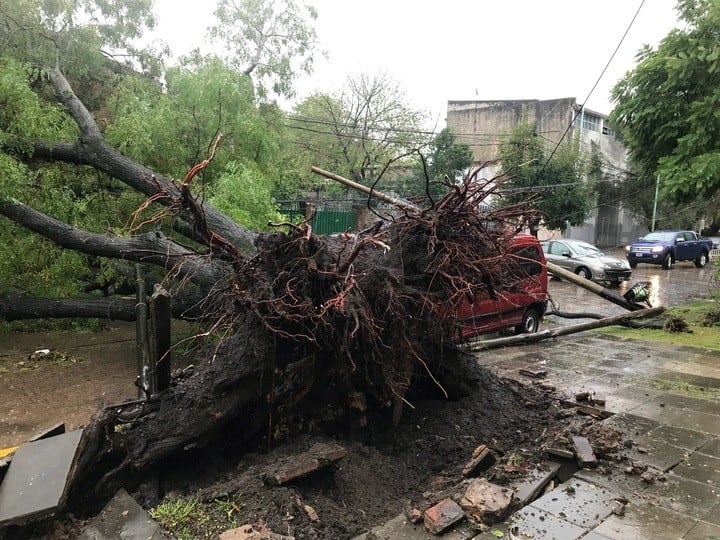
(668, 247)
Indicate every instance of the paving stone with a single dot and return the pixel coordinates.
(645, 521)
(684, 495)
(593, 535)
(701, 468)
(703, 531)
(527, 489)
(694, 420)
(122, 517)
(688, 402)
(579, 502)
(712, 448)
(34, 484)
(713, 515)
(631, 424)
(680, 437)
(655, 453)
(537, 524)
(695, 380)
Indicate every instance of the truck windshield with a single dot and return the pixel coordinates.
(660, 236)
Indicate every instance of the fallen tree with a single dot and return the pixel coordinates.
(336, 333)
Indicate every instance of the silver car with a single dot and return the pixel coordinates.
(586, 261)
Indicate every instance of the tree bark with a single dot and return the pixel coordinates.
(16, 306)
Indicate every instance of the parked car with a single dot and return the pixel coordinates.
(586, 261)
(668, 247)
(521, 308)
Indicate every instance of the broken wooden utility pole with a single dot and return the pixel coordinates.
(561, 330)
(591, 286)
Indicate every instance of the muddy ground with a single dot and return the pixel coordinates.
(381, 477)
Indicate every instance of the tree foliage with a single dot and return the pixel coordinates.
(272, 40)
(667, 106)
(554, 180)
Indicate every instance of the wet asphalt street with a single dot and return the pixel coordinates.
(681, 284)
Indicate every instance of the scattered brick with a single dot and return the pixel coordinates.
(481, 461)
(442, 516)
(319, 456)
(582, 396)
(535, 373)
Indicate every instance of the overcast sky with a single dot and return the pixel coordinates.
(440, 51)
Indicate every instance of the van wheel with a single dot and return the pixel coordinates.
(633, 264)
(530, 322)
(701, 260)
(584, 273)
(667, 262)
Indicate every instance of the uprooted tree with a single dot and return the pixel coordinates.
(337, 333)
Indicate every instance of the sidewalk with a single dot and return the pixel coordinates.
(666, 400)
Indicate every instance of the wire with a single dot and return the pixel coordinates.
(582, 107)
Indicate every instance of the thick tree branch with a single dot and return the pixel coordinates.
(91, 149)
(154, 248)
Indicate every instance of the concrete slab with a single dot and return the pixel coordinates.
(527, 489)
(689, 419)
(538, 524)
(700, 468)
(579, 502)
(703, 531)
(616, 482)
(646, 522)
(682, 438)
(655, 453)
(712, 448)
(631, 424)
(688, 402)
(122, 517)
(685, 496)
(713, 515)
(35, 482)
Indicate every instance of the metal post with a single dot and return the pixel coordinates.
(657, 189)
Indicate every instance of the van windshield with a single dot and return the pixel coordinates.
(660, 236)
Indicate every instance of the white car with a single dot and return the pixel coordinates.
(586, 261)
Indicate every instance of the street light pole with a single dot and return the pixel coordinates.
(657, 187)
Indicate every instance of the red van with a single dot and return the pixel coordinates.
(521, 309)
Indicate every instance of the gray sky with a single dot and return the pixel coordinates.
(465, 49)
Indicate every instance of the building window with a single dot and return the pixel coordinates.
(590, 122)
(607, 130)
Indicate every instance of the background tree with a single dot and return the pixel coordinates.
(446, 162)
(356, 132)
(555, 181)
(666, 109)
(271, 40)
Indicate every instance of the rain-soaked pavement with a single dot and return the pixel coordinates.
(663, 398)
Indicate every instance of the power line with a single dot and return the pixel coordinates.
(582, 107)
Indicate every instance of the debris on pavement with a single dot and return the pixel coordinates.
(442, 516)
(584, 452)
(482, 459)
(486, 502)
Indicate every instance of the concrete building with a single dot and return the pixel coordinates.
(483, 125)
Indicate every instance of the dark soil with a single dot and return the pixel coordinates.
(417, 466)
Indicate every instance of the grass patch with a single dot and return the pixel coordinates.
(702, 318)
(188, 518)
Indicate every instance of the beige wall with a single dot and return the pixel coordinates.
(484, 124)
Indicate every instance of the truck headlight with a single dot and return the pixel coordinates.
(657, 249)
(627, 248)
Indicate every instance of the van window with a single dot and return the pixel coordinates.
(529, 260)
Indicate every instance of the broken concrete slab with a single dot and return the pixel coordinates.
(52, 431)
(401, 528)
(486, 502)
(122, 517)
(442, 516)
(258, 531)
(528, 488)
(34, 485)
(582, 503)
(320, 456)
(531, 523)
(584, 452)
